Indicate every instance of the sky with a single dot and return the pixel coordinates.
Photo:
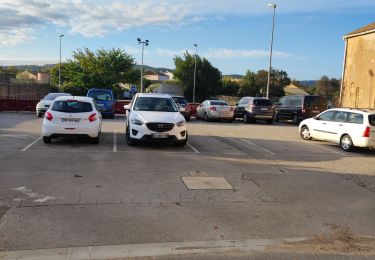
(234, 35)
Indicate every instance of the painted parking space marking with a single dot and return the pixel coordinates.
(193, 148)
(27, 147)
(258, 146)
(114, 141)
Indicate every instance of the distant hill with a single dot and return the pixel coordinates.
(234, 76)
(48, 66)
(307, 83)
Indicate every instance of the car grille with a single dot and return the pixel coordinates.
(160, 127)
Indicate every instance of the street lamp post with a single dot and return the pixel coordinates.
(195, 69)
(146, 42)
(270, 65)
(62, 35)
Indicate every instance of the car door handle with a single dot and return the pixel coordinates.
(341, 125)
(324, 123)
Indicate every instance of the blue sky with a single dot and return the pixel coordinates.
(233, 35)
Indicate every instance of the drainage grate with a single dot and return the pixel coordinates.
(206, 183)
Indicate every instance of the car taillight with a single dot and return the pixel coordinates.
(367, 131)
(213, 108)
(92, 117)
(49, 116)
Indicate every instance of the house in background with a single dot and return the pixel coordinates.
(358, 84)
(292, 89)
(33, 77)
(154, 76)
(169, 74)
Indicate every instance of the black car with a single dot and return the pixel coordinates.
(182, 102)
(254, 108)
(299, 107)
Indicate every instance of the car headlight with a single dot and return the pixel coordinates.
(181, 123)
(136, 121)
(39, 105)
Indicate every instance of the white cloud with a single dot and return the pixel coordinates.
(240, 53)
(97, 18)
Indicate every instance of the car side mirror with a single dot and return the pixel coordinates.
(127, 107)
(236, 104)
(315, 117)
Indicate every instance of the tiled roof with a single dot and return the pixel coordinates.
(367, 28)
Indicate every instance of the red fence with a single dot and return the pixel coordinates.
(28, 103)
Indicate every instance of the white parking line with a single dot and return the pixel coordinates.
(114, 141)
(27, 147)
(193, 148)
(260, 147)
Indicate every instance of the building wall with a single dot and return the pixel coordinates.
(171, 89)
(19, 89)
(358, 90)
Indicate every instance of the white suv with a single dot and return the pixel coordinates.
(155, 117)
(348, 127)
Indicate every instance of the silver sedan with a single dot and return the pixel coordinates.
(215, 109)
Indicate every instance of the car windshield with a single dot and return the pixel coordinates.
(100, 95)
(155, 104)
(71, 106)
(219, 103)
(180, 100)
(52, 96)
(371, 119)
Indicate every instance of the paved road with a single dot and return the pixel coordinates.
(73, 193)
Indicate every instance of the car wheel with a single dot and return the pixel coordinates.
(229, 120)
(295, 120)
(276, 119)
(181, 143)
(270, 122)
(129, 141)
(112, 116)
(39, 114)
(346, 143)
(305, 133)
(95, 140)
(196, 116)
(206, 117)
(187, 118)
(46, 139)
(245, 118)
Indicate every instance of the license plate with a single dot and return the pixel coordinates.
(70, 120)
(160, 135)
(264, 109)
(316, 111)
(224, 113)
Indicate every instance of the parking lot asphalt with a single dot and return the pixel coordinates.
(74, 193)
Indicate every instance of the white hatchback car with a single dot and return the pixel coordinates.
(348, 127)
(155, 117)
(72, 116)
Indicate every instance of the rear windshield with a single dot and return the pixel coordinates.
(262, 102)
(315, 101)
(371, 119)
(218, 103)
(180, 100)
(100, 95)
(155, 104)
(71, 106)
(52, 96)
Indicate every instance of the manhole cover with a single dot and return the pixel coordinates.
(206, 183)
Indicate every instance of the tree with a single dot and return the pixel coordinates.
(328, 88)
(100, 69)
(229, 87)
(249, 85)
(208, 78)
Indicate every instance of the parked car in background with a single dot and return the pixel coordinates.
(72, 116)
(193, 108)
(299, 107)
(215, 109)
(45, 103)
(154, 117)
(104, 100)
(251, 109)
(348, 127)
(183, 105)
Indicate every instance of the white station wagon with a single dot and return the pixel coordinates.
(348, 127)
